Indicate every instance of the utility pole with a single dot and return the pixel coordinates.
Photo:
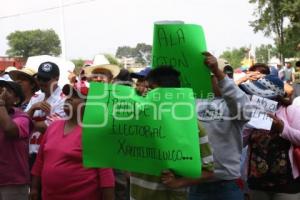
(269, 55)
(62, 28)
(125, 62)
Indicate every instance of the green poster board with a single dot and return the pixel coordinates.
(181, 46)
(141, 134)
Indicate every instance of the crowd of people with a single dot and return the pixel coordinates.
(41, 136)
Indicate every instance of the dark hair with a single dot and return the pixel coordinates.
(283, 101)
(16, 89)
(164, 76)
(228, 70)
(298, 63)
(123, 78)
(260, 67)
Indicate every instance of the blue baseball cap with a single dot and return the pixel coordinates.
(141, 74)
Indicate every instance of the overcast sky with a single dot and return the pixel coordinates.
(100, 26)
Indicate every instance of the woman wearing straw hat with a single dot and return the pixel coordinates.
(25, 77)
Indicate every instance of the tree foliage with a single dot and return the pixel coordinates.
(234, 56)
(78, 65)
(78, 62)
(280, 20)
(111, 59)
(265, 52)
(33, 42)
(125, 51)
(292, 39)
(270, 19)
(141, 53)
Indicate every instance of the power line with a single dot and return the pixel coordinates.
(45, 9)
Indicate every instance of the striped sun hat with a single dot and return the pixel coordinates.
(269, 86)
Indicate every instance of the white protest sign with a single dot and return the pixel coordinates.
(260, 118)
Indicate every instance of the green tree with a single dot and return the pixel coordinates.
(33, 42)
(78, 62)
(270, 19)
(234, 56)
(291, 9)
(125, 51)
(292, 39)
(78, 65)
(111, 59)
(271, 16)
(141, 53)
(264, 52)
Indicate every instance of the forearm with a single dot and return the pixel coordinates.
(171, 181)
(241, 80)
(185, 182)
(219, 74)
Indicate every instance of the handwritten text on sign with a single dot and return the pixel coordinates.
(181, 46)
(260, 118)
(171, 40)
(141, 134)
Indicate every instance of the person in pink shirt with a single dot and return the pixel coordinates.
(272, 172)
(15, 129)
(59, 168)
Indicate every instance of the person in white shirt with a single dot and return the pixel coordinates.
(289, 73)
(45, 107)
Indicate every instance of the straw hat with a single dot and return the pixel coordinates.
(26, 72)
(114, 69)
(10, 68)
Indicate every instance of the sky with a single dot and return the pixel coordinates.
(91, 27)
